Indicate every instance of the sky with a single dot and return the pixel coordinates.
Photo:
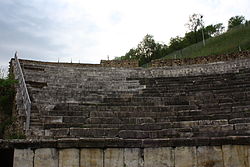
(88, 31)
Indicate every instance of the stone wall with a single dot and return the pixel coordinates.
(200, 60)
(202, 156)
(103, 63)
(120, 63)
(61, 64)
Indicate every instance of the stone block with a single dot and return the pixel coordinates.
(185, 157)
(235, 155)
(69, 157)
(159, 157)
(113, 157)
(46, 157)
(133, 157)
(23, 158)
(61, 132)
(209, 156)
(53, 119)
(91, 157)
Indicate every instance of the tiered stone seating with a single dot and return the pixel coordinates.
(97, 102)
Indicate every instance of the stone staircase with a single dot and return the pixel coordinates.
(157, 103)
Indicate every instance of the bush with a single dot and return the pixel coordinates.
(7, 94)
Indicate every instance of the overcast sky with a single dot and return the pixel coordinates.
(90, 30)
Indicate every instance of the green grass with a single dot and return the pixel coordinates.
(226, 43)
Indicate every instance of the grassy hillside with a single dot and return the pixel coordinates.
(226, 43)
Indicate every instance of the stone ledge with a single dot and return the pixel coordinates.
(124, 143)
(200, 60)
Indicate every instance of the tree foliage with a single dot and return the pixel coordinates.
(145, 51)
(195, 22)
(235, 21)
(7, 93)
(148, 49)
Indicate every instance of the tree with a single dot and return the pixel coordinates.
(214, 30)
(219, 29)
(176, 43)
(146, 49)
(131, 54)
(195, 22)
(161, 51)
(235, 21)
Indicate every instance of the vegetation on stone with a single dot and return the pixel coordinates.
(7, 120)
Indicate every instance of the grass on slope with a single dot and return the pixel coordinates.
(226, 43)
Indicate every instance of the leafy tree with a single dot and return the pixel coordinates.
(219, 29)
(247, 22)
(195, 22)
(131, 55)
(7, 93)
(176, 43)
(161, 51)
(235, 21)
(146, 49)
(213, 30)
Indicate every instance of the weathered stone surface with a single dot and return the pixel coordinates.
(23, 158)
(209, 156)
(91, 157)
(133, 157)
(235, 155)
(185, 157)
(177, 105)
(120, 63)
(113, 157)
(199, 60)
(69, 158)
(46, 157)
(159, 157)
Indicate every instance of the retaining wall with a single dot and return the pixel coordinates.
(202, 156)
(120, 63)
(200, 60)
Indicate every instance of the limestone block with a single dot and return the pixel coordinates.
(132, 157)
(113, 157)
(91, 157)
(46, 157)
(23, 158)
(160, 157)
(209, 156)
(185, 157)
(235, 155)
(69, 158)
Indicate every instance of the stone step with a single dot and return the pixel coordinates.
(68, 113)
(142, 126)
(144, 114)
(122, 120)
(239, 120)
(174, 100)
(73, 107)
(82, 132)
(65, 119)
(36, 125)
(202, 131)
